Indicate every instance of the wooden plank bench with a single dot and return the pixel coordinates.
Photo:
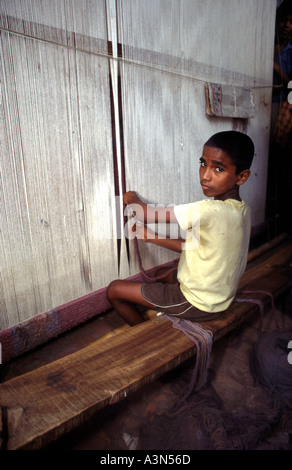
(44, 404)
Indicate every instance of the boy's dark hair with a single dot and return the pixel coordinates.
(239, 147)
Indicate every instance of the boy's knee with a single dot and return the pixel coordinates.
(112, 289)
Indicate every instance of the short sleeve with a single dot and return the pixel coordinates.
(188, 215)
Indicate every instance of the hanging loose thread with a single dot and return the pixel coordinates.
(203, 340)
(172, 266)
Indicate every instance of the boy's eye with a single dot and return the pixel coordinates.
(202, 163)
(219, 169)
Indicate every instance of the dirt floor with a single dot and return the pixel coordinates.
(230, 395)
(231, 386)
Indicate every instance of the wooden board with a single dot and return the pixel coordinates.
(44, 404)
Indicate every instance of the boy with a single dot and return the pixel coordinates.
(208, 274)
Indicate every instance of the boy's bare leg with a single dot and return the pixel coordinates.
(124, 296)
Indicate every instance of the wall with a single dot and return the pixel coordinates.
(102, 96)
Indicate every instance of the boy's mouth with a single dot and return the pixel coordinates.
(205, 187)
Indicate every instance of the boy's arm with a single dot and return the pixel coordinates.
(144, 234)
(147, 213)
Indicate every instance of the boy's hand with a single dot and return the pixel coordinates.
(131, 197)
(135, 205)
(142, 232)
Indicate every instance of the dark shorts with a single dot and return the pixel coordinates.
(167, 298)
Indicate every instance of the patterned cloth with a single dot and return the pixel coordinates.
(229, 101)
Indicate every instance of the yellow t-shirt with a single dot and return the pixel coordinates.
(215, 252)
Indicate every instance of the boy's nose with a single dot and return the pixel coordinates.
(207, 174)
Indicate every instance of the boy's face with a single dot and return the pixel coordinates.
(217, 175)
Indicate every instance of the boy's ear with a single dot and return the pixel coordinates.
(243, 177)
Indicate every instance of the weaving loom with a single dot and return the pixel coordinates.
(102, 96)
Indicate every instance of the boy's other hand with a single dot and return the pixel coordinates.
(131, 197)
